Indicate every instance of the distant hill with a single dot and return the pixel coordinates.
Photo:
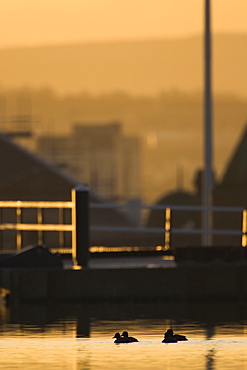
(136, 67)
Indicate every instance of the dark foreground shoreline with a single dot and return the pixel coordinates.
(165, 281)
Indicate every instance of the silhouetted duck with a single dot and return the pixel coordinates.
(120, 339)
(168, 338)
(125, 335)
(178, 337)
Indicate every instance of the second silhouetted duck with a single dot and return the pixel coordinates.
(125, 335)
(177, 337)
(169, 338)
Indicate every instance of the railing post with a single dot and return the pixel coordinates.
(244, 228)
(19, 233)
(40, 221)
(80, 241)
(61, 222)
(167, 227)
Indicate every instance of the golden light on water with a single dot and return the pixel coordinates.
(58, 346)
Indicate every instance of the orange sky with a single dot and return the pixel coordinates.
(32, 22)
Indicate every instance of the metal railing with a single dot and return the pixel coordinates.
(40, 227)
(167, 230)
(79, 235)
(79, 226)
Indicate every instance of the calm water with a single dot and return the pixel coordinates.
(79, 337)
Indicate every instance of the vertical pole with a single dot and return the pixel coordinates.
(40, 221)
(80, 241)
(1, 232)
(19, 233)
(167, 227)
(61, 222)
(208, 180)
(244, 228)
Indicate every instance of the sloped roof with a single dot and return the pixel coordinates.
(26, 176)
(235, 175)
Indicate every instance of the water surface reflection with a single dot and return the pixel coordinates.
(79, 336)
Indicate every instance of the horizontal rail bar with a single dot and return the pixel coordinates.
(37, 227)
(125, 229)
(64, 204)
(39, 204)
(163, 207)
(69, 227)
(200, 231)
(161, 230)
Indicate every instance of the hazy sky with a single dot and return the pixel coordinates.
(31, 22)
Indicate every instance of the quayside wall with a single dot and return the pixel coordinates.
(196, 282)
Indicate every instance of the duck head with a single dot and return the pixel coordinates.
(169, 333)
(117, 336)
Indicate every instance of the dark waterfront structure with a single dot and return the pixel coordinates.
(230, 191)
(25, 176)
(215, 282)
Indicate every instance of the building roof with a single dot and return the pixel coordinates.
(26, 176)
(235, 175)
